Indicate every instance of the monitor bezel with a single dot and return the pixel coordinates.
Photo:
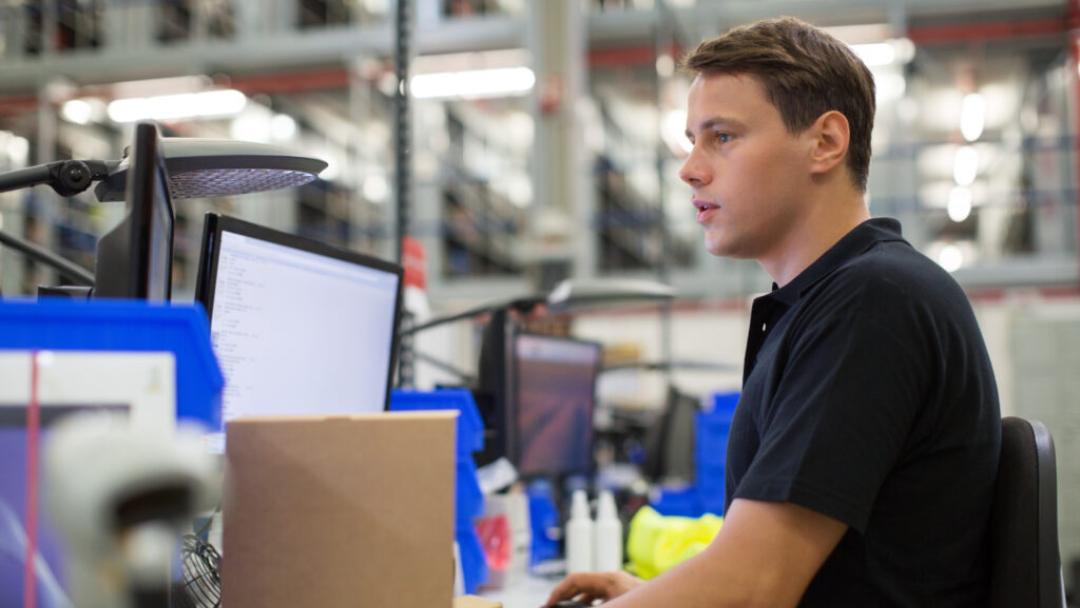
(206, 281)
(146, 170)
(513, 373)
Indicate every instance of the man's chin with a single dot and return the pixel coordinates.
(721, 248)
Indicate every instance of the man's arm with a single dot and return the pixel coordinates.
(765, 555)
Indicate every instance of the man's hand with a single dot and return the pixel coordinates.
(592, 586)
(764, 556)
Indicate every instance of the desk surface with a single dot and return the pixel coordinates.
(522, 591)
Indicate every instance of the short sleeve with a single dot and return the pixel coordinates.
(839, 417)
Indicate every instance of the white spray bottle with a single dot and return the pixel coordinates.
(608, 549)
(579, 535)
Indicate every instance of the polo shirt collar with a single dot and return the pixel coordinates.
(861, 238)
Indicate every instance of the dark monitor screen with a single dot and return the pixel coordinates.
(554, 398)
(298, 326)
(134, 259)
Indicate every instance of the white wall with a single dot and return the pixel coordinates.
(1043, 357)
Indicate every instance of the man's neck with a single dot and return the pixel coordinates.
(826, 220)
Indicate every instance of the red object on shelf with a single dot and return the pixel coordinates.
(414, 259)
(494, 532)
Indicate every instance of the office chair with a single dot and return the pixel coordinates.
(1025, 563)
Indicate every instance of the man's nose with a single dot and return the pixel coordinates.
(693, 171)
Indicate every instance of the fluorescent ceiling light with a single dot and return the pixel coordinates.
(890, 86)
(83, 111)
(959, 203)
(282, 127)
(673, 130)
(160, 86)
(16, 148)
(966, 166)
(972, 116)
(876, 54)
(473, 84)
(951, 258)
(375, 188)
(206, 104)
(861, 33)
(464, 62)
(77, 111)
(665, 65)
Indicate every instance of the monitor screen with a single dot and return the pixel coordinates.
(299, 327)
(555, 395)
(134, 259)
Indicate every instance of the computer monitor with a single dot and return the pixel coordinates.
(134, 259)
(554, 396)
(298, 326)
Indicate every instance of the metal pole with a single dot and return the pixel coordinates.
(1074, 78)
(663, 40)
(402, 166)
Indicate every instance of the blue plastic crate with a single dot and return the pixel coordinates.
(685, 502)
(470, 428)
(710, 441)
(474, 568)
(125, 325)
(468, 497)
(723, 405)
(711, 487)
(543, 523)
(712, 428)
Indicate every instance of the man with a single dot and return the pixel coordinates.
(863, 452)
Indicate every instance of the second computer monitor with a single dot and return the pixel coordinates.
(298, 326)
(554, 397)
(134, 259)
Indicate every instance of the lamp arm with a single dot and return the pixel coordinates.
(71, 270)
(21, 178)
(446, 367)
(521, 304)
(672, 365)
(66, 177)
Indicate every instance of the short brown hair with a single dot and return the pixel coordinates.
(805, 72)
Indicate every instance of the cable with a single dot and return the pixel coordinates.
(72, 271)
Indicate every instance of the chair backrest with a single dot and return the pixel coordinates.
(1025, 563)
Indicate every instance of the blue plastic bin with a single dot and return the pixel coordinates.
(468, 497)
(712, 428)
(474, 568)
(470, 429)
(543, 523)
(685, 502)
(125, 325)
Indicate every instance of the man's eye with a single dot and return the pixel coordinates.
(723, 137)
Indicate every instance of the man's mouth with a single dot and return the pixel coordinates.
(704, 208)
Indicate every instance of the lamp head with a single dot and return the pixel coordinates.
(600, 291)
(201, 168)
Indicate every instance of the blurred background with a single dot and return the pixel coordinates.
(546, 139)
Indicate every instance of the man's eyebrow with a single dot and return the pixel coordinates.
(716, 121)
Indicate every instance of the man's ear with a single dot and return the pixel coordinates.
(831, 136)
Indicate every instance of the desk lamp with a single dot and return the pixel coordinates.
(197, 168)
(568, 295)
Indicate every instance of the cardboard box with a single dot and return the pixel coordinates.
(472, 601)
(340, 511)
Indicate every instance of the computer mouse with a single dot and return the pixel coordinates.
(570, 604)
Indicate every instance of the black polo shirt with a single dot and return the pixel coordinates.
(868, 397)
